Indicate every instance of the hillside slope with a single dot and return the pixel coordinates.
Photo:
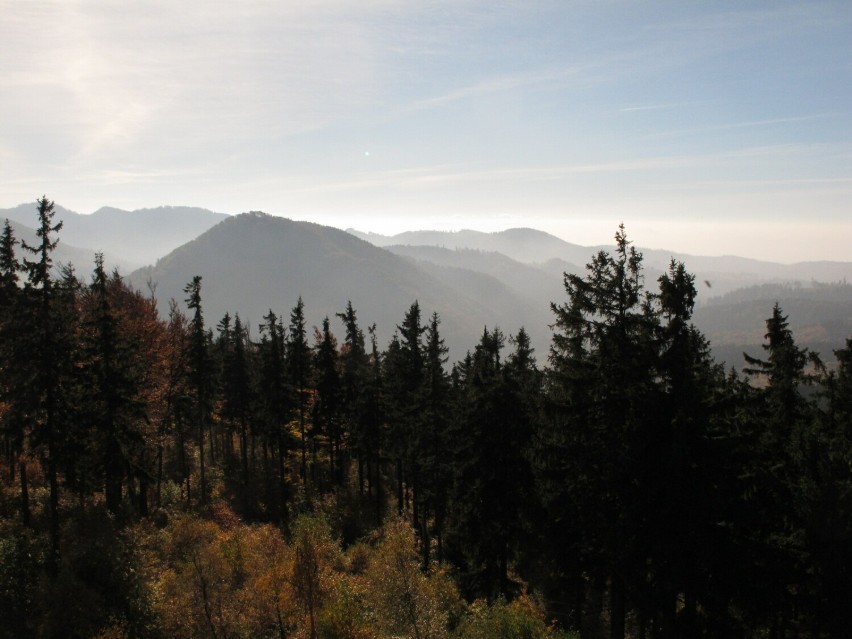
(254, 262)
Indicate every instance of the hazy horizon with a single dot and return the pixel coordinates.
(637, 234)
(707, 129)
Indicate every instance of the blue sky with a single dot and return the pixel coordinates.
(706, 127)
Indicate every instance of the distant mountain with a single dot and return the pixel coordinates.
(254, 262)
(83, 259)
(139, 237)
(520, 293)
(736, 294)
(820, 316)
(716, 275)
(521, 244)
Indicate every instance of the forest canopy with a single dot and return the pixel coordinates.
(177, 477)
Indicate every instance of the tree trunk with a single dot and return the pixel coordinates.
(25, 494)
(282, 497)
(159, 473)
(203, 488)
(617, 608)
(53, 559)
(212, 443)
(399, 491)
(114, 471)
(303, 470)
(143, 494)
(244, 451)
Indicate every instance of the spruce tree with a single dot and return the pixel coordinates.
(200, 374)
(354, 371)
(48, 352)
(237, 393)
(276, 400)
(13, 417)
(328, 397)
(404, 376)
(114, 392)
(435, 455)
(298, 375)
(602, 390)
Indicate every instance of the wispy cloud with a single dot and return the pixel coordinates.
(496, 85)
(660, 107)
(746, 124)
(443, 175)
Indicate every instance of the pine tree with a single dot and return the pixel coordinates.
(491, 496)
(276, 398)
(354, 370)
(775, 422)
(688, 457)
(328, 396)
(435, 455)
(825, 507)
(115, 384)
(12, 327)
(48, 353)
(375, 425)
(403, 382)
(200, 374)
(602, 390)
(237, 396)
(177, 414)
(298, 376)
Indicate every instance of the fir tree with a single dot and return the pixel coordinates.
(200, 373)
(328, 396)
(275, 399)
(48, 352)
(298, 376)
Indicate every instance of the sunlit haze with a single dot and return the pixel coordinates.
(707, 128)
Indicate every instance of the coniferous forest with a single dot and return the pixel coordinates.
(166, 474)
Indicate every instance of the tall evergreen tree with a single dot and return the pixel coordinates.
(354, 370)
(200, 375)
(782, 435)
(326, 416)
(824, 503)
(276, 399)
(375, 425)
(435, 455)
(602, 393)
(404, 372)
(113, 400)
(237, 396)
(299, 364)
(12, 417)
(48, 352)
(493, 478)
(177, 415)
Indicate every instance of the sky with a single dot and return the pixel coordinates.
(709, 128)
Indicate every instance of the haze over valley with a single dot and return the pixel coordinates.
(254, 262)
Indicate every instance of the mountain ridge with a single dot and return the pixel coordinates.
(326, 267)
(136, 237)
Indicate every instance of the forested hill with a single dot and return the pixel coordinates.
(521, 244)
(724, 273)
(472, 279)
(820, 315)
(253, 263)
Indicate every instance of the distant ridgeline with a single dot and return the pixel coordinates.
(196, 461)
